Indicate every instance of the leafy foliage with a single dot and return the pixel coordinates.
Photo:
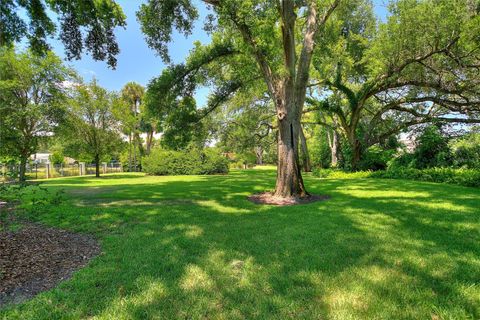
(432, 149)
(419, 66)
(86, 24)
(31, 199)
(159, 17)
(466, 150)
(463, 177)
(32, 97)
(91, 130)
(185, 162)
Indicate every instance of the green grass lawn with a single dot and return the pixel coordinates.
(193, 247)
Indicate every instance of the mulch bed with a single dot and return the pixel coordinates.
(35, 258)
(269, 198)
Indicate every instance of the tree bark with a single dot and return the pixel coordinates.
(97, 166)
(149, 141)
(334, 144)
(129, 152)
(288, 89)
(259, 155)
(307, 167)
(23, 168)
(356, 154)
(335, 148)
(289, 178)
(134, 152)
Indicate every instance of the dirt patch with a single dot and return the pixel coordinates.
(269, 198)
(34, 258)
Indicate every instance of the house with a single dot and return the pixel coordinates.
(40, 157)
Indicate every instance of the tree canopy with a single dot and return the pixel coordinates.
(82, 24)
(32, 94)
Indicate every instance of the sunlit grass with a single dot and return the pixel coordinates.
(192, 247)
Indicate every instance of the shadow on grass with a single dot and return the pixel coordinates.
(193, 247)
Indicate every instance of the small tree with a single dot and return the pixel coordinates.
(31, 101)
(92, 129)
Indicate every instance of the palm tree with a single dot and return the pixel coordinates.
(132, 93)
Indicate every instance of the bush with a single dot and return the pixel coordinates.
(466, 151)
(376, 158)
(245, 160)
(57, 158)
(463, 177)
(432, 149)
(340, 174)
(405, 160)
(30, 199)
(187, 162)
(241, 165)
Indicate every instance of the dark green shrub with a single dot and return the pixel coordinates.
(186, 162)
(213, 162)
(432, 149)
(405, 160)
(376, 158)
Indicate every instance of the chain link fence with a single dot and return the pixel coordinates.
(46, 171)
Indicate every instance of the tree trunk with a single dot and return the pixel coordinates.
(334, 149)
(289, 178)
(259, 155)
(97, 166)
(307, 167)
(288, 89)
(149, 141)
(134, 152)
(23, 168)
(129, 152)
(356, 154)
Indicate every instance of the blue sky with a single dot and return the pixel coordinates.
(137, 62)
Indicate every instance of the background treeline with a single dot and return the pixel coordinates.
(396, 93)
(46, 107)
(403, 92)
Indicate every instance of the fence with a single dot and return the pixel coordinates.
(47, 171)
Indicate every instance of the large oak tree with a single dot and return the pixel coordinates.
(421, 65)
(279, 36)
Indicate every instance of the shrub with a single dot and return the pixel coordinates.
(463, 177)
(189, 161)
(30, 199)
(241, 165)
(405, 160)
(466, 151)
(57, 158)
(376, 158)
(432, 149)
(340, 174)
(213, 162)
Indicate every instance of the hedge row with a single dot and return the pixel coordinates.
(463, 177)
(188, 162)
